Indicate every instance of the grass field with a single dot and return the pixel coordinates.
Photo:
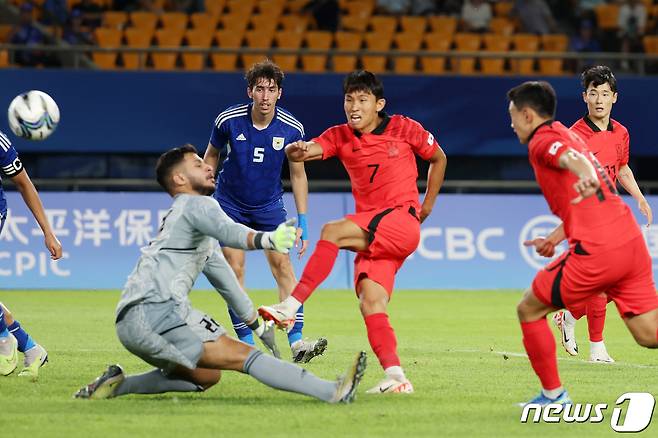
(462, 351)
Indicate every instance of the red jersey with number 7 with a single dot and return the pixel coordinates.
(381, 164)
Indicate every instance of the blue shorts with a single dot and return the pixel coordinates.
(261, 220)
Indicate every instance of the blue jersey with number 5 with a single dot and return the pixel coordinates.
(10, 165)
(250, 176)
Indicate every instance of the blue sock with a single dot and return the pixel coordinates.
(25, 341)
(244, 333)
(295, 334)
(3, 325)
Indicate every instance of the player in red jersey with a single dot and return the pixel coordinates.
(606, 249)
(378, 152)
(608, 140)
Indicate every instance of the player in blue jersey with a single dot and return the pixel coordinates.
(35, 354)
(248, 141)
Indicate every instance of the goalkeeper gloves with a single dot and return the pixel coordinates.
(281, 239)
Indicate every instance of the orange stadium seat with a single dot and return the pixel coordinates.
(167, 38)
(494, 43)
(226, 39)
(256, 40)
(437, 42)
(204, 21)
(295, 6)
(501, 25)
(198, 39)
(264, 23)
(551, 67)
(286, 39)
(4, 58)
(215, 7)
(411, 24)
(5, 30)
(357, 8)
(606, 16)
(271, 8)
(144, 20)
(241, 7)
(316, 40)
(650, 43)
(443, 24)
(140, 38)
(383, 24)
(466, 42)
(235, 23)
(380, 42)
(115, 19)
(174, 20)
(346, 41)
(502, 8)
(353, 23)
(410, 41)
(107, 38)
(295, 23)
(524, 42)
(554, 43)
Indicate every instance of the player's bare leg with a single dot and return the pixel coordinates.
(644, 328)
(539, 343)
(373, 300)
(282, 270)
(335, 235)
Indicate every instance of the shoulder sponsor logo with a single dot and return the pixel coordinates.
(539, 226)
(278, 143)
(430, 139)
(241, 137)
(555, 147)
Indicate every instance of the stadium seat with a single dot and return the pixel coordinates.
(607, 16)
(4, 58)
(241, 7)
(215, 7)
(411, 24)
(235, 23)
(295, 6)
(286, 39)
(551, 67)
(443, 24)
(316, 40)
(379, 42)
(346, 41)
(466, 42)
(140, 38)
(409, 41)
(115, 19)
(494, 43)
(554, 43)
(358, 8)
(295, 23)
(167, 38)
(264, 23)
(502, 8)
(501, 26)
(437, 42)
(353, 23)
(256, 40)
(383, 24)
(144, 20)
(226, 39)
(204, 21)
(524, 42)
(650, 43)
(174, 20)
(199, 39)
(271, 8)
(5, 30)
(106, 38)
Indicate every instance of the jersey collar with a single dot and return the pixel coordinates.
(595, 128)
(546, 123)
(379, 130)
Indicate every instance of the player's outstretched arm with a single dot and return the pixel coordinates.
(303, 151)
(627, 180)
(545, 246)
(33, 202)
(299, 184)
(211, 157)
(588, 182)
(435, 175)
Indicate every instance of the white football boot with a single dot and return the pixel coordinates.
(303, 351)
(567, 326)
(347, 383)
(391, 385)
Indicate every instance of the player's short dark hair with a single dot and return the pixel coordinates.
(362, 80)
(168, 161)
(264, 70)
(538, 95)
(598, 75)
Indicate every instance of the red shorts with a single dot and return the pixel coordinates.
(624, 273)
(393, 234)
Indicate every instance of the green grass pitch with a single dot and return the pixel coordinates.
(461, 350)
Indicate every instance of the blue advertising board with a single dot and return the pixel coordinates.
(469, 241)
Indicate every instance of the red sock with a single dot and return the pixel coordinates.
(317, 269)
(596, 317)
(539, 343)
(382, 339)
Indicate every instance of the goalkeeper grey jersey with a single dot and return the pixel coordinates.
(185, 246)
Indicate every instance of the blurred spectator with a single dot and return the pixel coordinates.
(325, 12)
(393, 7)
(535, 16)
(632, 21)
(586, 8)
(25, 33)
(75, 33)
(449, 7)
(476, 15)
(423, 7)
(126, 5)
(187, 6)
(91, 13)
(585, 42)
(55, 12)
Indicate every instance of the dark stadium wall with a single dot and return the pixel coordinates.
(149, 112)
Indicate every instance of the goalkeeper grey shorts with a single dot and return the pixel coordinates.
(158, 334)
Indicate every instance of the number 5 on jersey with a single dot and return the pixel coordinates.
(259, 155)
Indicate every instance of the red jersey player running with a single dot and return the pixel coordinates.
(608, 140)
(378, 153)
(606, 249)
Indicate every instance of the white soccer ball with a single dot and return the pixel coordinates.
(33, 115)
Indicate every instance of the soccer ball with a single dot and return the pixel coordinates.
(33, 115)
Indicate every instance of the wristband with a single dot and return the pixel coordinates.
(301, 220)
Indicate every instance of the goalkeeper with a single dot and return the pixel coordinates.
(155, 319)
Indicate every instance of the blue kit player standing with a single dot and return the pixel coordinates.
(248, 140)
(35, 354)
